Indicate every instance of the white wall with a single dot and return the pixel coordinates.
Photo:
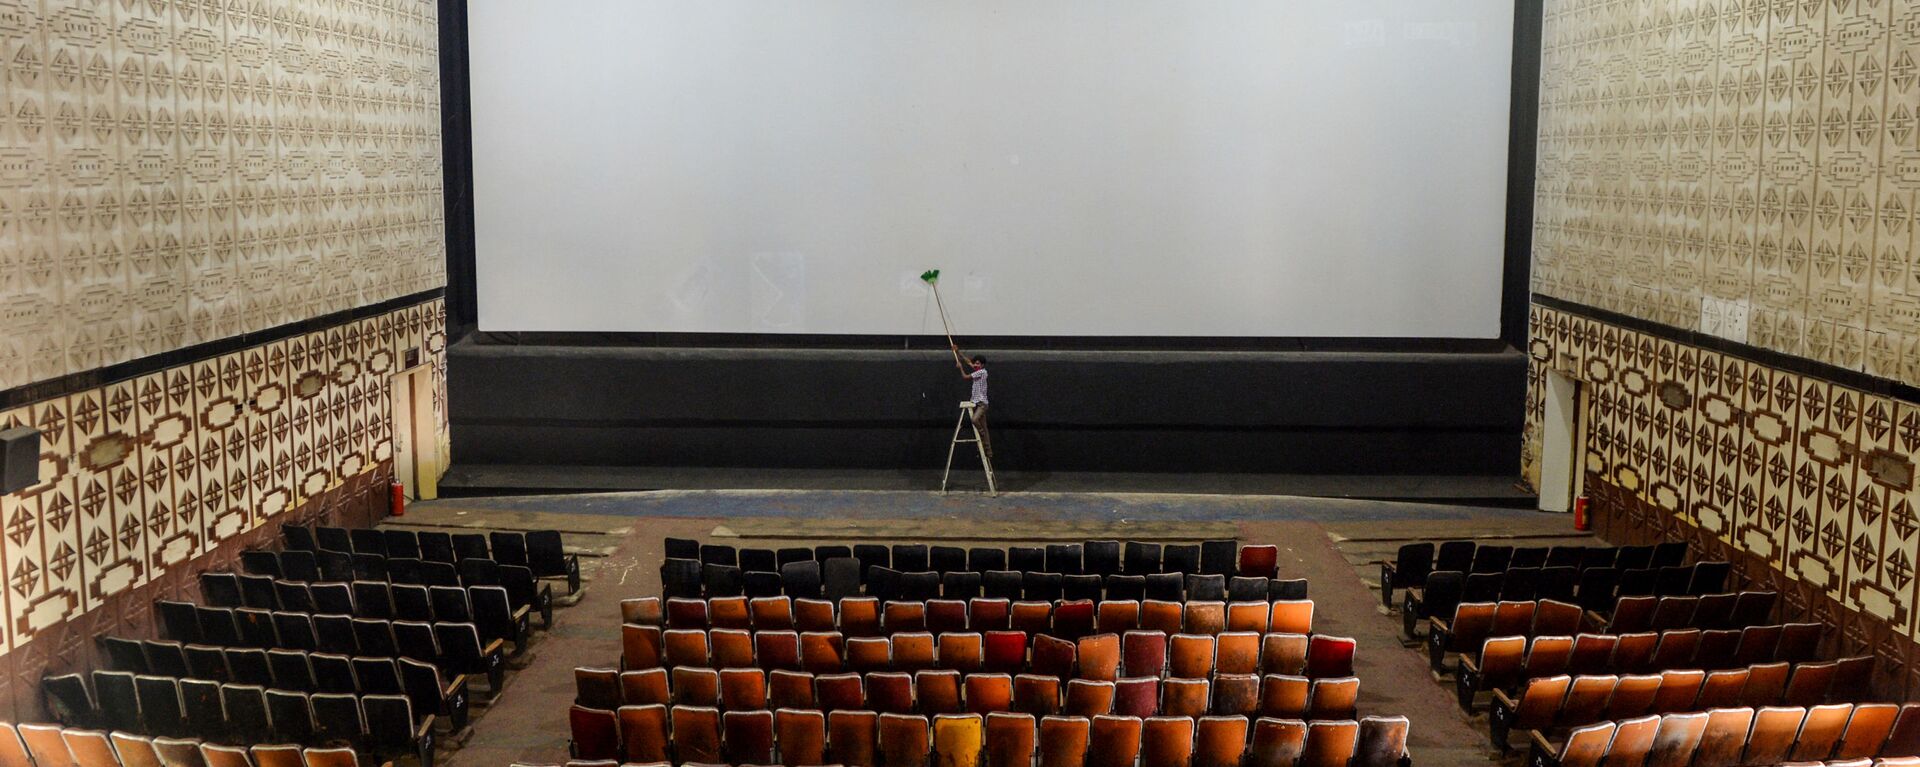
(1077, 167)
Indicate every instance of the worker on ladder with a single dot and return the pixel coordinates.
(978, 375)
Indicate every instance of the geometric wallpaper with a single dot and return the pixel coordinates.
(155, 471)
(174, 172)
(1746, 168)
(1809, 487)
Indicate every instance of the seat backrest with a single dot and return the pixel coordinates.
(1539, 704)
(1866, 730)
(1722, 688)
(1330, 743)
(1587, 699)
(1676, 739)
(1442, 594)
(1724, 737)
(1472, 623)
(1674, 612)
(1454, 555)
(1382, 742)
(1633, 696)
(1679, 688)
(1411, 564)
(1632, 614)
(1757, 644)
(1276, 742)
(1715, 611)
(1799, 642)
(1632, 741)
(595, 732)
(1633, 653)
(1513, 618)
(1821, 731)
(1586, 746)
(279, 755)
(1501, 659)
(1597, 589)
(1491, 559)
(1774, 731)
(90, 748)
(1754, 608)
(1548, 655)
(1904, 740)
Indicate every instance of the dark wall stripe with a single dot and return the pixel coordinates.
(153, 363)
(456, 163)
(1523, 138)
(1853, 379)
(994, 343)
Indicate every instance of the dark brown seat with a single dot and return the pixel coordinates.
(1063, 741)
(851, 736)
(1866, 730)
(696, 733)
(1276, 742)
(1382, 742)
(643, 733)
(1010, 739)
(1724, 737)
(802, 736)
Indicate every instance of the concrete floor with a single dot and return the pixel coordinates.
(620, 536)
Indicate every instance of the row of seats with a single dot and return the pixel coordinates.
(339, 567)
(1595, 589)
(842, 577)
(457, 647)
(540, 550)
(1472, 623)
(298, 670)
(1099, 656)
(948, 691)
(1216, 557)
(1504, 662)
(865, 617)
(1414, 562)
(488, 608)
(48, 744)
(1567, 701)
(640, 734)
(1732, 736)
(1707, 611)
(372, 598)
(380, 724)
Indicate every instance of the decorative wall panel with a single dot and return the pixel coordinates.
(1745, 168)
(174, 172)
(144, 479)
(1808, 486)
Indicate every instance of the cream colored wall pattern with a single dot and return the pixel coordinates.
(147, 473)
(1745, 168)
(1808, 486)
(179, 171)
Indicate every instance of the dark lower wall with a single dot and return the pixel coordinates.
(1287, 412)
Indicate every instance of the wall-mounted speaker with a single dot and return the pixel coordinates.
(19, 459)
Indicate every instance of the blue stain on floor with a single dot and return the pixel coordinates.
(852, 504)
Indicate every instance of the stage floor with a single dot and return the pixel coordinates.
(620, 535)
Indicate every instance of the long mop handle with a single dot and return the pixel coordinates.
(951, 344)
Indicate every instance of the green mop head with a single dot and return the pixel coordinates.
(930, 276)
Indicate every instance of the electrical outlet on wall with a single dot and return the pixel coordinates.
(1724, 317)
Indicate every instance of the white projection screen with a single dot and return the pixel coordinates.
(1252, 168)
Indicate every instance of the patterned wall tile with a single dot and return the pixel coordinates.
(173, 173)
(1696, 155)
(144, 476)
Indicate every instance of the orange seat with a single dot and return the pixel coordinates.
(840, 692)
(1284, 696)
(1774, 731)
(772, 613)
(1031, 617)
(938, 691)
(1679, 688)
(1248, 616)
(1087, 697)
(646, 611)
(641, 646)
(1276, 742)
(989, 693)
(1866, 730)
(1333, 698)
(645, 687)
(802, 736)
(851, 736)
(1162, 616)
(1220, 741)
(1190, 656)
(890, 692)
(687, 647)
(1166, 741)
(778, 649)
(1117, 616)
(1036, 694)
(913, 651)
(958, 740)
(743, 688)
(822, 652)
(696, 733)
(1185, 697)
(748, 736)
(860, 617)
(901, 617)
(790, 689)
(1010, 739)
(1099, 657)
(987, 614)
(1291, 616)
(1676, 739)
(1724, 737)
(1064, 740)
(1237, 652)
(696, 686)
(1206, 618)
(813, 615)
(729, 612)
(904, 740)
(1118, 739)
(869, 653)
(963, 652)
(946, 616)
(1329, 744)
(687, 614)
(731, 648)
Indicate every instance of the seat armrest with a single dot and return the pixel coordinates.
(1438, 623)
(1469, 664)
(424, 728)
(1539, 741)
(1500, 698)
(494, 646)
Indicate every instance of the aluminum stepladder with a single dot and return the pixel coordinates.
(966, 422)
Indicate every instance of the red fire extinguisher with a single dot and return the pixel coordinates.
(399, 505)
(1580, 520)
